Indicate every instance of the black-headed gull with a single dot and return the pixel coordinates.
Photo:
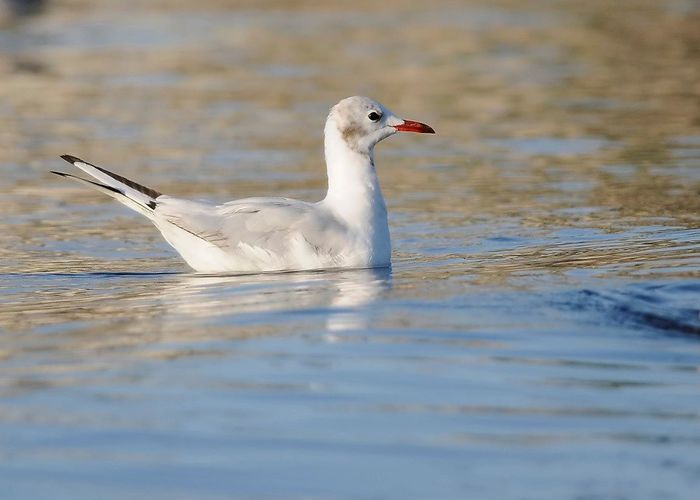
(348, 228)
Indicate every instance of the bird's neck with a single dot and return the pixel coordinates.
(353, 187)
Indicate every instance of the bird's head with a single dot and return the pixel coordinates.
(362, 122)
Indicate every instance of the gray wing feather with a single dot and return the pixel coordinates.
(267, 223)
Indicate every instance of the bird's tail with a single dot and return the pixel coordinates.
(135, 196)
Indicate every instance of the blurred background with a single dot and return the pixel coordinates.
(541, 320)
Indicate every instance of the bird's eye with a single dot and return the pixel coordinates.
(374, 116)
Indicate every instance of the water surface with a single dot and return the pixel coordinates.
(537, 336)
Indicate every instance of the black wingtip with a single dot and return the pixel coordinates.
(62, 174)
(71, 159)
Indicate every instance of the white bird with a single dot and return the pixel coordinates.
(347, 229)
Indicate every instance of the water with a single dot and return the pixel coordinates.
(536, 338)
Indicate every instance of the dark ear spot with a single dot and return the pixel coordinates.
(352, 135)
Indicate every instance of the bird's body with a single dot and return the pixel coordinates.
(348, 228)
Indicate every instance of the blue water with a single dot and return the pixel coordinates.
(538, 336)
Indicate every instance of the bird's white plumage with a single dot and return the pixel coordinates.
(348, 228)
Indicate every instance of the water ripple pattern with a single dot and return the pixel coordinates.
(538, 336)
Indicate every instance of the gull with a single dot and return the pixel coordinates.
(347, 229)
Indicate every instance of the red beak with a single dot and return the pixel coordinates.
(411, 126)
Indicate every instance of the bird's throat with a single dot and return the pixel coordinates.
(354, 193)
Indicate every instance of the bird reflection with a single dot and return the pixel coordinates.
(340, 297)
(121, 318)
(346, 310)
